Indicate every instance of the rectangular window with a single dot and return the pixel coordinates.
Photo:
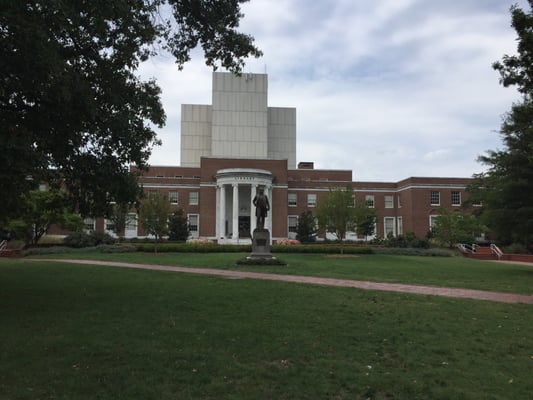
(193, 198)
(369, 200)
(432, 220)
(399, 201)
(435, 198)
(400, 225)
(293, 199)
(173, 197)
(456, 198)
(293, 223)
(131, 222)
(389, 201)
(193, 224)
(389, 226)
(89, 223)
(109, 225)
(311, 200)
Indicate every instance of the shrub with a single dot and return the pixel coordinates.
(516, 248)
(83, 239)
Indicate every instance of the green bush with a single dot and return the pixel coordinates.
(104, 248)
(409, 251)
(83, 239)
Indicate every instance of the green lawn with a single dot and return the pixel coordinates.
(88, 332)
(456, 272)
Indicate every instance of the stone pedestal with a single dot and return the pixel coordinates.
(261, 244)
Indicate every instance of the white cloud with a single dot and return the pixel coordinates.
(388, 88)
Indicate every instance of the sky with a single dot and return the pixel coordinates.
(387, 88)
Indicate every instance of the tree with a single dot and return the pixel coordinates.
(306, 228)
(153, 213)
(119, 217)
(365, 219)
(452, 227)
(336, 212)
(178, 226)
(505, 189)
(39, 210)
(73, 110)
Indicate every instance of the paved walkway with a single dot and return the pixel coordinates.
(386, 287)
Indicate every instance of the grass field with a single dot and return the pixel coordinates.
(456, 272)
(87, 332)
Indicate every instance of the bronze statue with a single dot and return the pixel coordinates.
(262, 206)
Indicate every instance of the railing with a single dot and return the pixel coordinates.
(467, 248)
(496, 250)
(3, 245)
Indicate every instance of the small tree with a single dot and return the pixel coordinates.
(39, 210)
(178, 226)
(119, 217)
(306, 228)
(153, 212)
(452, 227)
(336, 212)
(365, 219)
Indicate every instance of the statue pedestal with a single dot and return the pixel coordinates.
(261, 244)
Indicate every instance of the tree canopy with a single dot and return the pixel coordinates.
(505, 190)
(154, 212)
(39, 210)
(73, 110)
(338, 212)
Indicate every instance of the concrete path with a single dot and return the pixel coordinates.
(386, 287)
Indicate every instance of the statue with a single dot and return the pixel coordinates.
(262, 206)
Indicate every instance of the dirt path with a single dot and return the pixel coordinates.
(386, 287)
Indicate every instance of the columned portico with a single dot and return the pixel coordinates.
(235, 213)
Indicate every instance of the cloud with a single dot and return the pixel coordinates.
(388, 88)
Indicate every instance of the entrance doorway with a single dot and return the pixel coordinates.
(244, 227)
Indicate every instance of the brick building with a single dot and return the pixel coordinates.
(237, 144)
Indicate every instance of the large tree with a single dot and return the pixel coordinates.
(73, 109)
(506, 190)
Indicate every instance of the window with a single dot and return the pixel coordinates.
(311, 200)
(432, 220)
(369, 200)
(399, 201)
(293, 223)
(152, 194)
(173, 197)
(477, 203)
(400, 225)
(89, 223)
(109, 225)
(193, 224)
(435, 198)
(389, 226)
(389, 201)
(131, 222)
(293, 199)
(193, 198)
(456, 198)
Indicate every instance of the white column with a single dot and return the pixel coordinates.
(235, 211)
(253, 219)
(222, 213)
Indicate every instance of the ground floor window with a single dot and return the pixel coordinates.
(432, 221)
(193, 224)
(389, 226)
(89, 223)
(293, 226)
(400, 226)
